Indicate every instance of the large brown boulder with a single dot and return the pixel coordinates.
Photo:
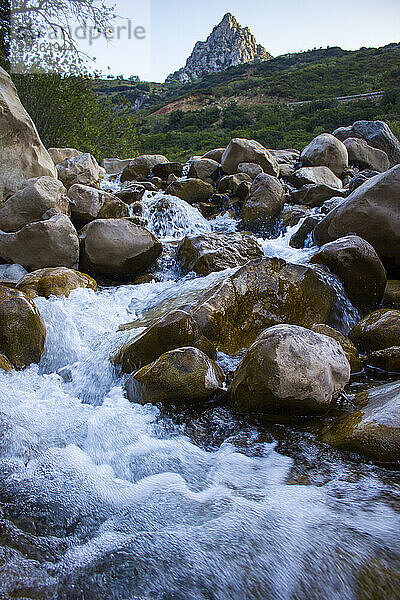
(50, 243)
(58, 155)
(113, 166)
(262, 293)
(316, 176)
(250, 169)
(81, 169)
(372, 211)
(240, 150)
(377, 331)
(326, 150)
(22, 154)
(377, 134)
(204, 168)
(347, 345)
(358, 267)
(117, 248)
(32, 202)
(210, 252)
(230, 183)
(182, 375)
(374, 429)
(173, 330)
(56, 281)
(314, 195)
(191, 190)
(364, 156)
(139, 168)
(114, 208)
(289, 371)
(264, 202)
(86, 202)
(215, 154)
(385, 360)
(22, 330)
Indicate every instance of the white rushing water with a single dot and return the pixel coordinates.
(126, 505)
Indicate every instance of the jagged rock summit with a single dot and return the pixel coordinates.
(228, 45)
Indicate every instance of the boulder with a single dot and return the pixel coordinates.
(11, 274)
(22, 154)
(117, 248)
(331, 204)
(326, 150)
(22, 330)
(377, 331)
(58, 281)
(86, 203)
(205, 169)
(113, 208)
(50, 243)
(215, 154)
(317, 176)
(139, 168)
(165, 169)
(289, 371)
(230, 183)
(358, 267)
(262, 293)
(386, 360)
(391, 297)
(372, 211)
(181, 375)
(377, 134)
(81, 169)
(303, 236)
(131, 194)
(113, 166)
(210, 252)
(347, 345)
(288, 156)
(374, 429)
(173, 330)
(32, 202)
(191, 190)
(58, 155)
(240, 150)
(360, 178)
(292, 214)
(365, 156)
(250, 169)
(264, 202)
(315, 195)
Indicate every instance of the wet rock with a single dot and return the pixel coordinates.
(230, 183)
(391, 297)
(358, 267)
(210, 252)
(289, 371)
(22, 154)
(113, 166)
(191, 190)
(262, 293)
(240, 150)
(22, 330)
(361, 178)
(264, 202)
(251, 169)
(377, 134)
(131, 194)
(372, 211)
(331, 204)
(50, 243)
(316, 176)
(288, 156)
(366, 157)
(32, 202)
(314, 195)
(164, 169)
(58, 155)
(326, 150)
(86, 203)
(386, 360)
(182, 375)
(215, 154)
(205, 169)
(117, 248)
(303, 234)
(139, 168)
(57, 281)
(374, 429)
(11, 274)
(347, 345)
(174, 330)
(113, 208)
(291, 215)
(81, 169)
(377, 331)
(5, 364)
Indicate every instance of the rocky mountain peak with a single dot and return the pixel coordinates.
(228, 45)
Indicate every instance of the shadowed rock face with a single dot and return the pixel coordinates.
(227, 45)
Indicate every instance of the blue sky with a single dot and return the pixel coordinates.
(173, 27)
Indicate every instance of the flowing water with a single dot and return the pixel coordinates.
(103, 498)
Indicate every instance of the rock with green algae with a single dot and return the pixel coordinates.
(22, 330)
(377, 331)
(184, 375)
(347, 345)
(376, 580)
(173, 330)
(57, 281)
(262, 293)
(374, 429)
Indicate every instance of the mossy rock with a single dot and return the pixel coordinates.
(374, 429)
(377, 331)
(376, 581)
(391, 297)
(387, 359)
(57, 281)
(348, 347)
(22, 330)
(5, 364)
(113, 208)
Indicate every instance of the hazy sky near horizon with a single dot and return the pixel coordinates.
(174, 26)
